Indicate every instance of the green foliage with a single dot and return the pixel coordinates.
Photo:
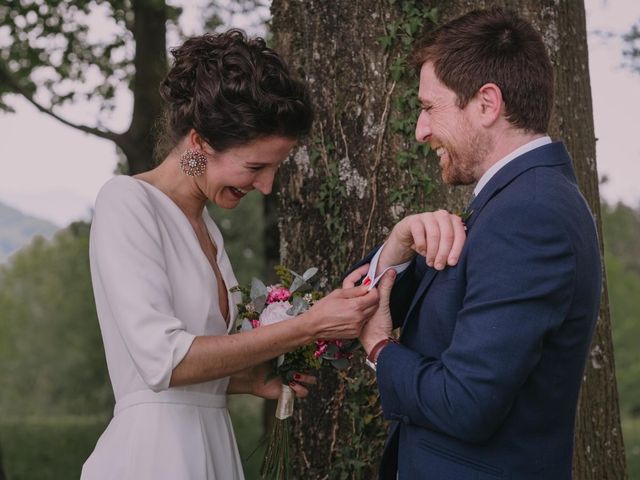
(55, 447)
(247, 416)
(361, 412)
(621, 226)
(631, 433)
(44, 448)
(624, 292)
(332, 195)
(51, 358)
(402, 34)
(54, 50)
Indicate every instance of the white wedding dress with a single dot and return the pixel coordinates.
(155, 292)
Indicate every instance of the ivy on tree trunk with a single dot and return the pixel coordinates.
(361, 171)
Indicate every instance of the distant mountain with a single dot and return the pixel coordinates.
(17, 230)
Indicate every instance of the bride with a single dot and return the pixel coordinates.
(161, 276)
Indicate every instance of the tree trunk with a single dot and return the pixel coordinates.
(149, 31)
(362, 171)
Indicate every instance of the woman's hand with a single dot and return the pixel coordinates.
(355, 276)
(270, 389)
(343, 312)
(254, 381)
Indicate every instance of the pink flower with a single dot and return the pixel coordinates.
(321, 348)
(274, 313)
(278, 293)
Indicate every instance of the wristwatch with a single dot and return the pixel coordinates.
(372, 359)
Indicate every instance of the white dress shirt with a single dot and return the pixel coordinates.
(371, 279)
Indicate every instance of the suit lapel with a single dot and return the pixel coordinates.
(428, 277)
(550, 155)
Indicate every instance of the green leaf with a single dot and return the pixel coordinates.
(340, 363)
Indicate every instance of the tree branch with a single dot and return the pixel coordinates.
(7, 79)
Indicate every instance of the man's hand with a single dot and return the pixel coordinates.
(380, 324)
(438, 236)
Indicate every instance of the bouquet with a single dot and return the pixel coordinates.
(265, 305)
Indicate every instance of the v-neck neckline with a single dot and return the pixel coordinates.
(217, 247)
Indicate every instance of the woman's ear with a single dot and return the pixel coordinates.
(197, 142)
(490, 104)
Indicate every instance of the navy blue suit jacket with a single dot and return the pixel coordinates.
(484, 384)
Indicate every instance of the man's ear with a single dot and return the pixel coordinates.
(490, 104)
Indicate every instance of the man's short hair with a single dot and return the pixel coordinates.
(493, 46)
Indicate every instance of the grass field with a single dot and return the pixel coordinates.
(52, 448)
(631, 431)
(36, 448)
(56, 447)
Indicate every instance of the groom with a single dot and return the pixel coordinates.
(484, 379)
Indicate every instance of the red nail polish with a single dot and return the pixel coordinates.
(296, 376)
(367, 281)
(292, 384)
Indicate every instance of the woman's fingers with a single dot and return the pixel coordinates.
(355, 276)
(299, 390)
(303, 378)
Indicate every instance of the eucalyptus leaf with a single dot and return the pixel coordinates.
(309, 273)
(258, 289)
(332, 351)
(245, 326)
(298, 306)
(280, 361)
(298, 281)
(340, 363)
(259, 303)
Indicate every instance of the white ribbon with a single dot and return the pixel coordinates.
(285, 403)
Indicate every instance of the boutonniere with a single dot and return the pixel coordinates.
(464, 215)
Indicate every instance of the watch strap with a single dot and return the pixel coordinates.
(372, 358)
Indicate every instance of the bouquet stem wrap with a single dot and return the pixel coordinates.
(276, 464)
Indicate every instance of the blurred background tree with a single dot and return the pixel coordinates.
(632, 50)
(99, 53)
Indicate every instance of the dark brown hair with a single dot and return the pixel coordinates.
(231, 89)
(493, 46)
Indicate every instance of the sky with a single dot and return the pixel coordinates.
(54, 172)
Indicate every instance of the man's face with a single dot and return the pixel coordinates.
(449, 130)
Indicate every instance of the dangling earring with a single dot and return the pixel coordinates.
(193, 162)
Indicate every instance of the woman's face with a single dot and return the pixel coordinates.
(231, 174)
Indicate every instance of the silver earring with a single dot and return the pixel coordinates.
(193, 162)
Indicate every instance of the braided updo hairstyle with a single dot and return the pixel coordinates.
(231, 89)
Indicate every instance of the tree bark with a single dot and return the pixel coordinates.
(342, 190)
(149, 32)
